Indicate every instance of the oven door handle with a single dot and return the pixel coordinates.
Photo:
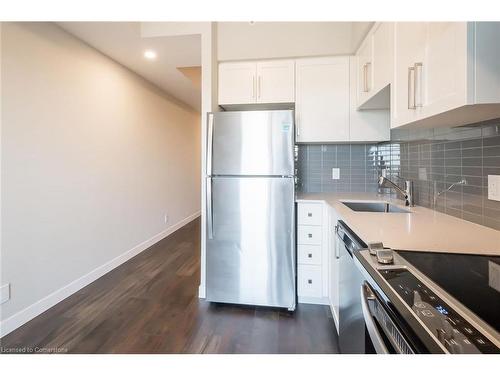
(377, 340)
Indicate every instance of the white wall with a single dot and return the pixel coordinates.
(208, 32)
(262, 40)
(92, 158)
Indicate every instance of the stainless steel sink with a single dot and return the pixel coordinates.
(375, 207)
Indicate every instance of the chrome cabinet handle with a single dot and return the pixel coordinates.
(365, 84)
(209, 208)
(259, 85)
(411, 103)
(210, 133)
(337, 238)
(253, 87)
(417, 84)
(366, 87)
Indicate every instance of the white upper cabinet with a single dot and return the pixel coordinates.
(383, 56)
(237, 83)
(276, 81)
(324, 90)
(322, 99)
(375, 59)
(442, 70)
(365, 69)
(366, 126)
(256, 82)
(409, 53)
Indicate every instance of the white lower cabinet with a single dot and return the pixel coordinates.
(309, 235)
(309, 281)
(312, 252)
(309, 254)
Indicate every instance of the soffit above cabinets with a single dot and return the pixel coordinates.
(271, 40)
(124, 43)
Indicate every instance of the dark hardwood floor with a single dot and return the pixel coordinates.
(150, 305)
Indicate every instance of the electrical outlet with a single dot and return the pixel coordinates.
(335, 173)
(494, 187)
(4, 293)
(422, 174)
(165, 218)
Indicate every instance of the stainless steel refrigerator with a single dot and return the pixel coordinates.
(250, 223)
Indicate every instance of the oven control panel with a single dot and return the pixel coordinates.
(447, 326)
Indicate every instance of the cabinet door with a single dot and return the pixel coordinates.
(410, 40)
(309, 281)
(367, 125)
(309, 213)
(365, 70)
(383, 55)
(276, 81)
(322, 99)
(444, 70)
(237, 83)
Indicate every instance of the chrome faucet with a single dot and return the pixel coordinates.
(463, 181)
(407, 193)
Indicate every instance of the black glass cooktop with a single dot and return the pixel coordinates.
(474, 280)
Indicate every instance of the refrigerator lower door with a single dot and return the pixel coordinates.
(251, 143)
(250, 241)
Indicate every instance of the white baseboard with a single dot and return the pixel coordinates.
(201, 291)
(314, 300)
(335, 318)
(18, 319)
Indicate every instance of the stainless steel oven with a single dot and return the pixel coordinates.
(384, 332)
(407, 311)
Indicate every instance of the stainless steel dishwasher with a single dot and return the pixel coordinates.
(353, 336)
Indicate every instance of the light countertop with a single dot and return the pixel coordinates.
(421, 230)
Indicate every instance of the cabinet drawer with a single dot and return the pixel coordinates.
(310, 214)
(309, 281)
(309, 254)
(309, 235)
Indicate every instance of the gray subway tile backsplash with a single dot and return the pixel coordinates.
(432, 158)
(357, 164)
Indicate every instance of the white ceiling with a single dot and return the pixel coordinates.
(122, 41)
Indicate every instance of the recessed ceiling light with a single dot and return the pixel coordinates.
(150, 54)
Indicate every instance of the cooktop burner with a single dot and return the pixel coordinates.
(474, 280)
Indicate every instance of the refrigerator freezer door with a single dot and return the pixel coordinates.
(250, 246)
(252, 143)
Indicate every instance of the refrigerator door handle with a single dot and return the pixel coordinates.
(210, 141)
(210, 228)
